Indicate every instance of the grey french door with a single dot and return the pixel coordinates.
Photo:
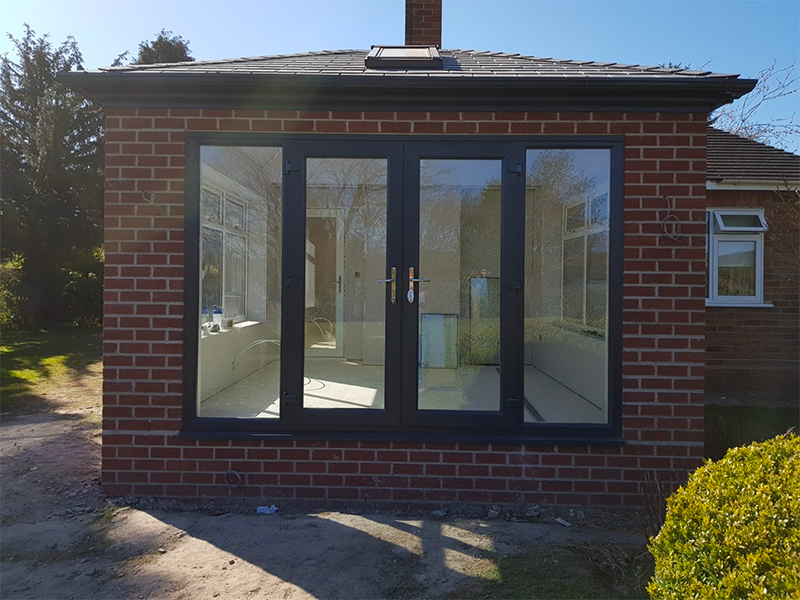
(341, 319)
(462, 311)
(402, 279)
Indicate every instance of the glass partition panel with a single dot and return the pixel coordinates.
(345, 309)
(240, 290)
(459, 308)
(566, 286)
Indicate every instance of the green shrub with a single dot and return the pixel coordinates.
(15, 305)
(734, 530)
(83, 287)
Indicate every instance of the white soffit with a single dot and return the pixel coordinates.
(741, 184)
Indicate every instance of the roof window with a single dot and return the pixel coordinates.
(403, 57)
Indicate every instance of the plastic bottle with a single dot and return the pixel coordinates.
(217, 315)
(205, 316)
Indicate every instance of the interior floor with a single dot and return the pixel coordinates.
(338, 383)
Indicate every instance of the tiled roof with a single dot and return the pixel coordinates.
(731, 157)
(457, 63)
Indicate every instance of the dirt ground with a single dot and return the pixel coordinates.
(61, 538)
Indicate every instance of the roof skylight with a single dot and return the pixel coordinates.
(403, 57)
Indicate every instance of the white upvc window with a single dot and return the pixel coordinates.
(736, 256)
(224, 252)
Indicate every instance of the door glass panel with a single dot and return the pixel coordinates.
(345, 310)
(459, 309)
(736, 269)
(566, 286)
(240, 276)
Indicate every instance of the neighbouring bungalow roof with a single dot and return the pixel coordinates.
(482, 79)
(735, 158)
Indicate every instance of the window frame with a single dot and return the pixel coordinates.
(588, 229)
(227, 230)
(718, 232)
(609, 433)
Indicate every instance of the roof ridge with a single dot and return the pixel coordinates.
(223, 61)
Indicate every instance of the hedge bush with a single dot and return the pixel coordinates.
(734, 530)
(15, 306)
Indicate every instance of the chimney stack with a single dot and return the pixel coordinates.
(424, 23)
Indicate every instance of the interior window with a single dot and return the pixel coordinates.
(566, 286)
(240, 270)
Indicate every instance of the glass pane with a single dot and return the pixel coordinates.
(566, 285)
(210, 270)
(240, 273)
(736, 269)
(235, 273)
(459, 330)
(234, 214)
(573, 284)
(596, 279)
(345, 310)
(210, 205)
(404, 53)
(576, 217)
(751, 221)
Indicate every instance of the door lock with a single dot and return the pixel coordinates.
(411, 281)
(393, 281)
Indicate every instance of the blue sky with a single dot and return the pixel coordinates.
(736, 37)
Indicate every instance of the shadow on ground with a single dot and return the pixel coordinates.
(33, 361)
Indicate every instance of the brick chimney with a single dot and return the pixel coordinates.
(424, 23)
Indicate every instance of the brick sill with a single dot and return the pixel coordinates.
(712, 304)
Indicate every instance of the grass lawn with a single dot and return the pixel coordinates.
(587, 572)
(35, 365)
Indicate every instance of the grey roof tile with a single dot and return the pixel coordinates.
(456, 63)
(732, 157)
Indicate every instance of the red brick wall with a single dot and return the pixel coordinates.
(664, 329)
(757, 349)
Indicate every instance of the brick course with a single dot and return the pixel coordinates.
(424, 23)
(663, 327)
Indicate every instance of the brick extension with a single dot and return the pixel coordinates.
(663, 349)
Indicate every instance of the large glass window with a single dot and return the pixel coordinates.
(447, 287)
(240, 271)
(566, 286)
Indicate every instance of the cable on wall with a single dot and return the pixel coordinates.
(671, 224)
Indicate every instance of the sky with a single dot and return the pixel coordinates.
(724, 36)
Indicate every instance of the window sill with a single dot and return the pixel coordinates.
(713, 304)
(204, 333)
(517, 437)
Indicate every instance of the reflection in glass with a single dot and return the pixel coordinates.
(743, 220)
(736, 269)
(345, 310)
(240, 272)
(459, 329)
(566, 285)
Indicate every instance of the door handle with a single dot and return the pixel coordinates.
(412, 280)
(393, 281)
